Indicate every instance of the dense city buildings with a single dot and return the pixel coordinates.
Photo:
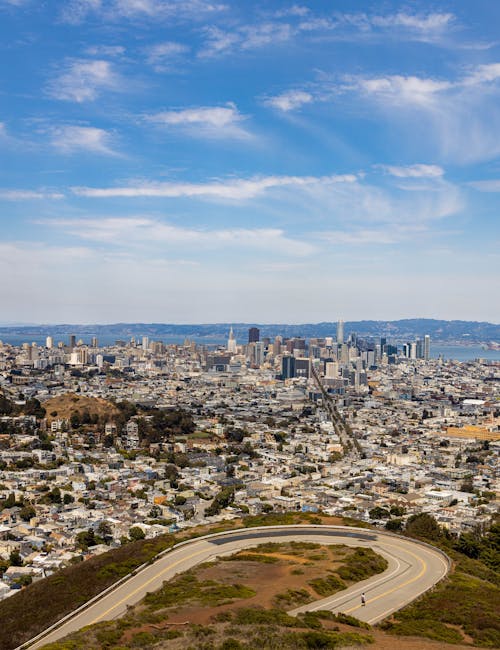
(103, 443)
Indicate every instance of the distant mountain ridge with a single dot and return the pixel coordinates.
(404, 329)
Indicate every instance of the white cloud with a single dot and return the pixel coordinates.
(234, 190)
(13, 3)
(105, 50)
(128, 231)
(460, 118)
(28, 195)
(408, 90)
(111, 10)
(414, 171)
(82, 80)
(69, 139)
(206, 121)
(492, 185)
(75, 11)
(294, 10)
(247, 37)
(162, 55)
(395, 234)
(167, 8)
(483, 74)
(289, 100)
(432, 22)
(430, 26)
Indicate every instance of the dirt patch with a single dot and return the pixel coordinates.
(65, 405)
(276, 585)
(387, 642)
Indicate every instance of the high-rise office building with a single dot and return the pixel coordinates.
(340, 331)
(94, 342)
(231, 342)
(72, 341)
(49, 342)
(427, 347)
(145, 343)
(254, 335)
(287, 367)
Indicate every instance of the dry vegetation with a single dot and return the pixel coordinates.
(63, 406)
(240, 602)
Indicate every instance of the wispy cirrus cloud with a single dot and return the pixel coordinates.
(204, 121)
(384, 236)
(289, 101)
(106, 50)
(231, 189)
(130, 230)
(247, 37)
(163, 56)
(76, 11)
(461, 115)
(82, 80)
(28, 195)
(13, 3)
(413, 171)
(300, 21)
(71, 139)
(490, 185)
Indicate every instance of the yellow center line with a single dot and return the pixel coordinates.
(145, 584)
(404, 584)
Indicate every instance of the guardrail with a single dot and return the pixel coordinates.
(231, 532)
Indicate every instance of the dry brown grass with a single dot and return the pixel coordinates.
(67, 404)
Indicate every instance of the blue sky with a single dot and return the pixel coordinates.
(203, 161)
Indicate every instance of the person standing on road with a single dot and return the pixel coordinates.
(363, 599)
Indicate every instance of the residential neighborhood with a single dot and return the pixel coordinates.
(100, 445)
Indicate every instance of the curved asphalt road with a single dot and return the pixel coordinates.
(412, 569)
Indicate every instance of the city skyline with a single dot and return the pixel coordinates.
(211, 162)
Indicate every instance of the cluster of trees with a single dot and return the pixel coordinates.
(32, 406)
(104, 535)
(164, 425)
(476, 544)
(221, 500)
(386, 513)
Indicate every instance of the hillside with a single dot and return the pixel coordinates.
(64, 406)
(439, 330)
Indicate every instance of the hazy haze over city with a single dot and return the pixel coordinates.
(203, 161)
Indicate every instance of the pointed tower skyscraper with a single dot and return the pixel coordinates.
(231, 342)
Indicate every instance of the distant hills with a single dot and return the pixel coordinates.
(398, 330)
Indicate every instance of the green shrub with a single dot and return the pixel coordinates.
(327, 586)
(259, 616)
(142, 640)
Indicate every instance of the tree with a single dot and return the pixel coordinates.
(155, 512)
(136, 533)
(423, 525)
(468, 545)
(105, 531)
(379, 513)
(394, 524)
(223, 499)
(27, 512)
(15, 558)
(75, 420)
(85, 539)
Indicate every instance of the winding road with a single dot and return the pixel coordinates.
(413, 568)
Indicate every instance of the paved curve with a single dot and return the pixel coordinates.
(412, 569)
